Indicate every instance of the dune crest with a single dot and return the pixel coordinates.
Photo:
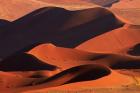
(68, 44)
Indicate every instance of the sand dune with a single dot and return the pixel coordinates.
(71, 57)
(113, 41)
(114, 79)
(67, 47)
(68, 2)
(69, 30)
(24, 62)
(75, 74)
(73, 64)
(14, 9)
(126, 4)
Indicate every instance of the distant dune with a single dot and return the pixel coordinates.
(104, 3)
(127, 4)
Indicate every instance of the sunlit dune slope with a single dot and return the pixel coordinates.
(127, 4)
(71, 75)
(56, 25)
(14, 9)
(113, 41)
(113, 79)
(66, 58)
(76, 74)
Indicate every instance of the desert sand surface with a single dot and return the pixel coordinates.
(69, 46)
(128, 10)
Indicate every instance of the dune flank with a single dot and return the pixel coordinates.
(70, 30)
(69, 46)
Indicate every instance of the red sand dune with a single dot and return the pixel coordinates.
(65, 59)
(113, 41)
(55, 48)
(127, 4)
(70, 30)
(14, 9)
(71, 57)
(98, 2)
(114, 79)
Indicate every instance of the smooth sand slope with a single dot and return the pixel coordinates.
(55, 48)
(113, 41)
(66, 66)
(14, 9)
(114, 79)
(128, 10)
(56, 25)
(71, 57)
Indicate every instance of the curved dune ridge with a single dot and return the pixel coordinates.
(113, 78)
(69, 29)
(87, 66)
(77, 74)
(72, 75)
(72, 57)
(20, 8)
(53, 47)
(113, 41)
(105, 3)
(126, 4)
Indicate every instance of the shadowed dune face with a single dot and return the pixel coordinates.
(44, 49)
(56, 25)
(93, 72)
(52, 54)
(77, 74)
(4, 23)
(105, 3)
(24, 62)
(71, 75)
(135, 51)
(113, 41)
